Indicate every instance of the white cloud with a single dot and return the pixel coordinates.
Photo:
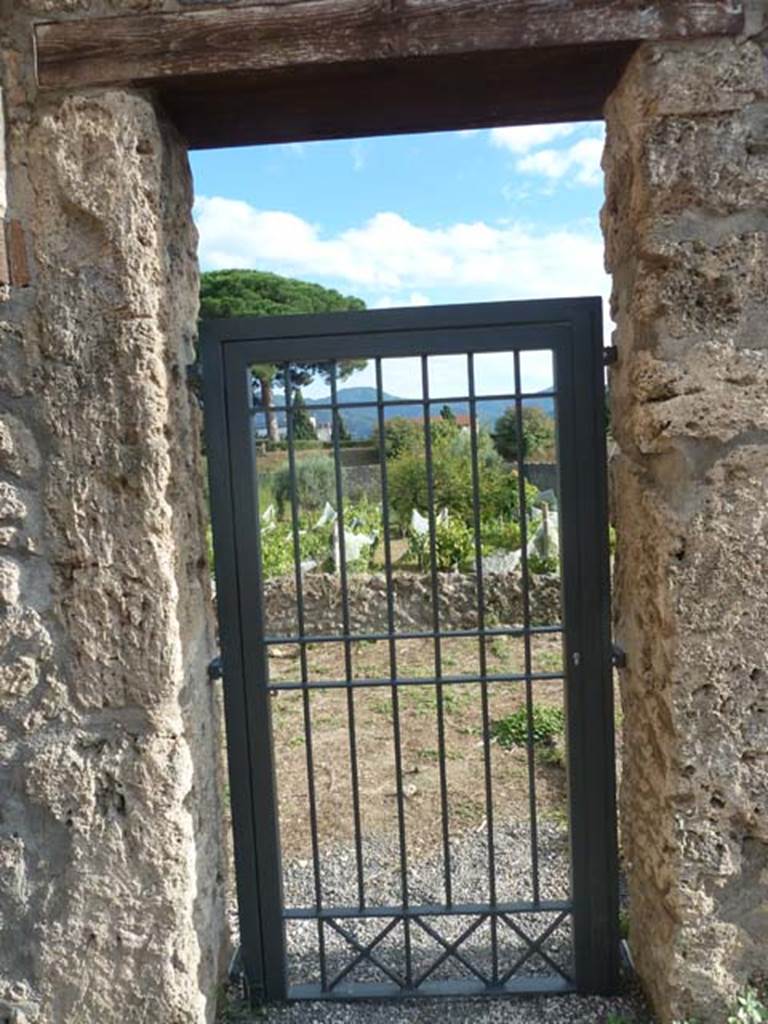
(389, 255)
(398, 302)
(581, 161)
(390, 261)
(523, 138)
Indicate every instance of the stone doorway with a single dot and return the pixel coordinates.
(110, 836)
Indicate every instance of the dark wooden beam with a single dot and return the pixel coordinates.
(144, 48)
(392, 97)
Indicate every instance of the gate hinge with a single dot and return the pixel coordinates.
(610, 355)
(618, 656)
(216, 669)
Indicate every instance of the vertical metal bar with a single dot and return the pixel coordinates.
(355, 777)
(307, 711)
(236, 702)
(589, 692)
(436, 627)
(261, 760)
(526, 581)
(483, 662)
(396, 736)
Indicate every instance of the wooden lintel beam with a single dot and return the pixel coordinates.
(392, 97)
(153, 48)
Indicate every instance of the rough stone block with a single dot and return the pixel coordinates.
(19, 454)
(110, 765)
(10, 575)
(686, 241)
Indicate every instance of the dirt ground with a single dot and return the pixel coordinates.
(371, 710)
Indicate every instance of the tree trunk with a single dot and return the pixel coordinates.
(267, 400)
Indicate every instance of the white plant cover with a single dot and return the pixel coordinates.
(546, 541)
(328, 515)
(269, 516)
(419, 524)
(354, 545)
(502, 561)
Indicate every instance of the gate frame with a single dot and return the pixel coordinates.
(229, 346)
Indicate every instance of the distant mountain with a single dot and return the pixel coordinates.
(361, 422)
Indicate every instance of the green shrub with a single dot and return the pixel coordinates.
(543, 566)
(500, 534)
(363, 516)
(512, 731)
(454, 545)
(276, 551)
(315, 544)
(315, 484)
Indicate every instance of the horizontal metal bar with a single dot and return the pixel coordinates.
(320, 348)
(372, 684)
(531, 985)
(528, 319)
(455, 634)
(395, 402)
(523, 314)
(431, 910)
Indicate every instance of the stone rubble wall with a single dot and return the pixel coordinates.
(111, 858)
(367, 596)
(687, 242)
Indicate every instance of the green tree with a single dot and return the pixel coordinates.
(302, 424)
(400, 434)
(452, 478)
(447, 414)
(538, 433)
(226, 293)
(344, 434)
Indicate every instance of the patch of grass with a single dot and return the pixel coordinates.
(423, 699)
(497, 646)
(550, 754)
(512, 731)
(433, 756)
(549, 660)
(624, 924)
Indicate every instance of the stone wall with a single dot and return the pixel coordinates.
(367, 594)
(544, 476)
(111, 863)
(687, 242)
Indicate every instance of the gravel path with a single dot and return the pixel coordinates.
(469, 862)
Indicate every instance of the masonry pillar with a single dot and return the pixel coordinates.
(111, 901)
(686, 225)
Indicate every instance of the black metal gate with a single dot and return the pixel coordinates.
(406, 881)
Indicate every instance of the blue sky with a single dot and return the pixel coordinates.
(414, 220)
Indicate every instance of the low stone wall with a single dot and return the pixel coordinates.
(362, 481)
(457, 602)
(544, 476)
